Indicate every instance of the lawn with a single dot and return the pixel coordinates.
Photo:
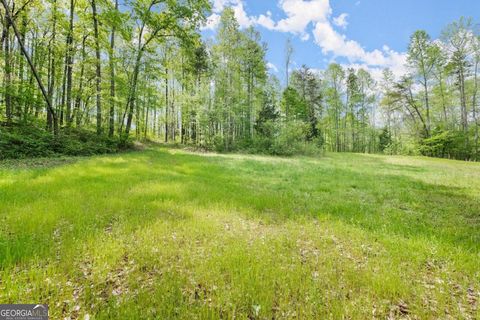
(172, 234)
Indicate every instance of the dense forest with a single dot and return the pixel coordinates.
(82, 77)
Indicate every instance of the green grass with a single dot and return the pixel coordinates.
(167, 234)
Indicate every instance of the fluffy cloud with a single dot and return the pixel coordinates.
(266, 21)
(341, 21)
(212, 22)
(332, 42)
(299, 16)
(238, 7)
(301, 13)
(272, 67)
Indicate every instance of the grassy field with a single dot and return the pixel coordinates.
(167, 234)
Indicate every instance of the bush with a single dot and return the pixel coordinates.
(286, 140)
(33, 142)
(290, 139)
(446, 144)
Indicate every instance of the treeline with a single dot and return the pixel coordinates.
(434, 108)
(93, 73)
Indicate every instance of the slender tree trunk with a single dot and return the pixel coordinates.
(8, 73)
(174, 115)
(32, 67)
(133, 93)
(427, 104)
(136, 71)
(69, 62)
(64, 89)
(52, 69)
(463, 100)
(145, 130)
(98, 71)
(166, 103)
(21, 76)
(442, 95)
(474, 107)
(111, 128)
(78, 98)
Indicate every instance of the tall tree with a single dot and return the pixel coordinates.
(420, 59)
(288, 60)
(98, 66)
(69, 65)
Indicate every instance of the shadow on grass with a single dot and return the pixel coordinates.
(61, 207)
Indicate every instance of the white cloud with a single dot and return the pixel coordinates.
(305, 37)
(242, 17)
(272, 67)
(240, 14)
(332, 42)
(266, 21)
(220, 5)
(212, 22)
(299, 15)
(341, 21)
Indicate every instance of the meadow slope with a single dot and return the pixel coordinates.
(171, 234)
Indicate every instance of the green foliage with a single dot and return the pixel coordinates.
(31, 142)
(445, 144)
(294, 106)
(287, 139)
(147, 72)
(267, 117)
(25, 142)
(385, 140)
(290, 139)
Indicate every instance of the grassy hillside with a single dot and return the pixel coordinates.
(169, 234)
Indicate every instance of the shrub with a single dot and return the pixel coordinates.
(30, 142)
(286, 139)
(446, 144)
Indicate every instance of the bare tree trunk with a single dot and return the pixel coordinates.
(98, 71)
(133, 94)
(166, 103)
(64, 89)
(69, 62)
(111, 128)
(427, 104)
(463, 100)
(442, 94)
(474, 108)
(78, 98)
(21, 76)
(8, 73)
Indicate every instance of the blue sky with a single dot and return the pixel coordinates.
(370, 34)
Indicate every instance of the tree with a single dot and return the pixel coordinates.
(457, 36)
(308, 86)
(288, 60)
(32, 67)
(334, 81)
(159, 20)
(98, 66)
(421, 59)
